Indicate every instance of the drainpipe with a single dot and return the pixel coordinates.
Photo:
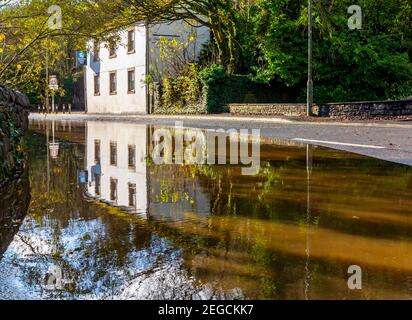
(85, 88)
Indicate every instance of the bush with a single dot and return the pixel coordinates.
(212, 89)
(216, 93)
(182, 94)
(221, 89)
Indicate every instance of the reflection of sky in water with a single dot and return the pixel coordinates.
(97, 274)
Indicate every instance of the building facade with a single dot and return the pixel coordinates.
(116, 72)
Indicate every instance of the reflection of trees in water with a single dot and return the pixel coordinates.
(349, 182)
(174, 191)
(14, 203)
(279, 194)
(59, 192)
(221, 259)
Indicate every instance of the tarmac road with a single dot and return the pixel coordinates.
(386, 140)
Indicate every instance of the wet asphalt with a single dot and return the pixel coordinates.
(386, 140)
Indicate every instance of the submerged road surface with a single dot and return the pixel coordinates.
(391, 141)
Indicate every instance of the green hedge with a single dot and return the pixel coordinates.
(212, 89)
(221, 89)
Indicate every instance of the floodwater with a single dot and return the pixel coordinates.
(103, 221)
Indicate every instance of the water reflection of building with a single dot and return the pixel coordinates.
(116, 164)
(118, 174)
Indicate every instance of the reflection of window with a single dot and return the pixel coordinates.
(113, 82)
(96, 84)
(97, 151)
(97, 184)
(113, 153)
(130, 41)
(131, 83)
(113, 190)
(132, 156)
(96, 48)
(112, 50)
(132, 195)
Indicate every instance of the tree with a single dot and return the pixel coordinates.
(266, 39)
(27, 42)
(367, 64)
(220, 16)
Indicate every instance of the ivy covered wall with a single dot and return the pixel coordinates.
(13, 126)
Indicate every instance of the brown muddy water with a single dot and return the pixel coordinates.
(131, 229)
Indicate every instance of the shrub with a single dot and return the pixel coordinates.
(215, 88)
(221, 89)
(181, 94)
(212, 89)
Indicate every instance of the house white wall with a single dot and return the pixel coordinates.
(123, 134)
(192, 38)
(124, 102)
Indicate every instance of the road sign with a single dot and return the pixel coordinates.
(53, 83)
(54, 150)
(81, 58)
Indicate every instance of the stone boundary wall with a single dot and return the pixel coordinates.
(346, 110)
(366, 110)
(269, 109)
(14, 112)
(13, 208)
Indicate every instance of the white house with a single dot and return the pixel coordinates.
(116, 74)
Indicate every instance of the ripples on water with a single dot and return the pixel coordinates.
(199, 232)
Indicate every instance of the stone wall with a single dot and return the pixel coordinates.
(367, 110)
(14, 203)
(350, 110)
(269, 109)
(14, 113)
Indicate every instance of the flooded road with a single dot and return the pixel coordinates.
(105, 222)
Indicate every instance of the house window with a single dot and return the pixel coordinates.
(96, 49)
(113, 82)
(132, 195)
(131, 41)
(131, 81)
(132, 157)
(113, 190)
(97, 85)
(97, 151)
(97, 185)
(112, 50)
(113, 153)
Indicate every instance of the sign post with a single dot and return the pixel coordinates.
(81, 60)
(53, 85)
(310, 56)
